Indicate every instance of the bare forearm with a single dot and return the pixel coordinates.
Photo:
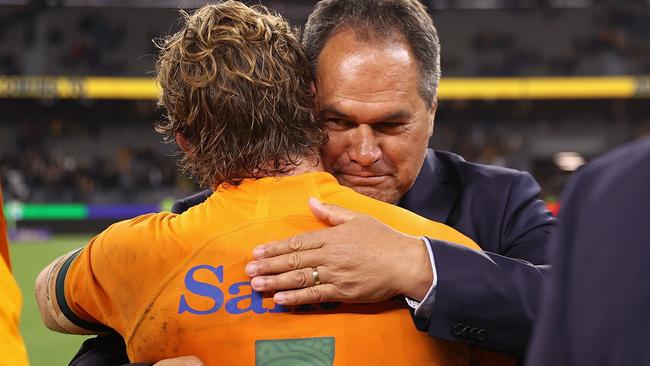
(46, 299)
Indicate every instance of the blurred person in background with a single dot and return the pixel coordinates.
(595, 308)
(237, 89)
(377, 65)
(12, 348)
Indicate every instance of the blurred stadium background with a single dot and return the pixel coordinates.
(537, 85)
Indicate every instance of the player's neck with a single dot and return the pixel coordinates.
(307, 164)
(311, 164)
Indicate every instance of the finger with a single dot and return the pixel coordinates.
(284, 263)
(287, 281)
(332, 214)
(308, 295)
(180, 361)
(300, 242)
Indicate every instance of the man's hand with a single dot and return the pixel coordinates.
(360, 260)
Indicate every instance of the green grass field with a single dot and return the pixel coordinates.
(44, 347)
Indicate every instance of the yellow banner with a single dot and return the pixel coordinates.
(450, 88)
(545, 88)
(77, 87)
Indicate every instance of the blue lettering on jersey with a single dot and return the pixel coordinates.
(202, 289)
(237, 304)
(255, 298)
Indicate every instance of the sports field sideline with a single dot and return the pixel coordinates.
(44, 347)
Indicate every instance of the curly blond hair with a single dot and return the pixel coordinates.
(236, 85)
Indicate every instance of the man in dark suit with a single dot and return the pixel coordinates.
(377, 67)
(595, 309)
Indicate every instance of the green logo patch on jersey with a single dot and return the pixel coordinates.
(295, 352)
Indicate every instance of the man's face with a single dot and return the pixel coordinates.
(378, 124)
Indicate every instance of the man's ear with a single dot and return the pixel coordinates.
(432, 116)
(314, 92)
(183, 143)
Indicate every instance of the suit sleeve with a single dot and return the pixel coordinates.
(186, 203)
(490, 299)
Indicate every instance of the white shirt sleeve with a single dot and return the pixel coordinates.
(423, 308)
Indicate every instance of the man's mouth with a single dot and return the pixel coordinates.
(361, 179)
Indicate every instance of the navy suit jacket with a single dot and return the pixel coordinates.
(488, 299)
(596, 307)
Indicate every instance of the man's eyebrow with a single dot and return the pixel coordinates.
(387, 117)
(394, 116)
(333, 111)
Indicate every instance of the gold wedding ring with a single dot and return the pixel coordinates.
(314, 273)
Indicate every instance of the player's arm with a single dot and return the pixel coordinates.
(106, 349)
(50, 297)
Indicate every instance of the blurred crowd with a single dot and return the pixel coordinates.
(33, 175)
(93, 157)
(608, 38)
(107, 152)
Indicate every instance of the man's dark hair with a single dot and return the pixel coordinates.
(407, 20)
(236, 85)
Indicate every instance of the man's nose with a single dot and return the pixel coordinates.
(365, 147)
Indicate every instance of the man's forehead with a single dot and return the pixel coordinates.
(346, 58)
(383, 59)
(365, 80)
(373, 93)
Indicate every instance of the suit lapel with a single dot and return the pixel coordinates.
(433, 194)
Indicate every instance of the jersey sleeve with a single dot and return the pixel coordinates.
(107, 283)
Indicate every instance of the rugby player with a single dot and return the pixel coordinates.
(238, 94)
(12, 348)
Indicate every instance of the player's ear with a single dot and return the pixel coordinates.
(183, 143)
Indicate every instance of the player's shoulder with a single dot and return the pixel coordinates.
(140, 229)
(147, 222)
(397, 217)
(142, 242)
